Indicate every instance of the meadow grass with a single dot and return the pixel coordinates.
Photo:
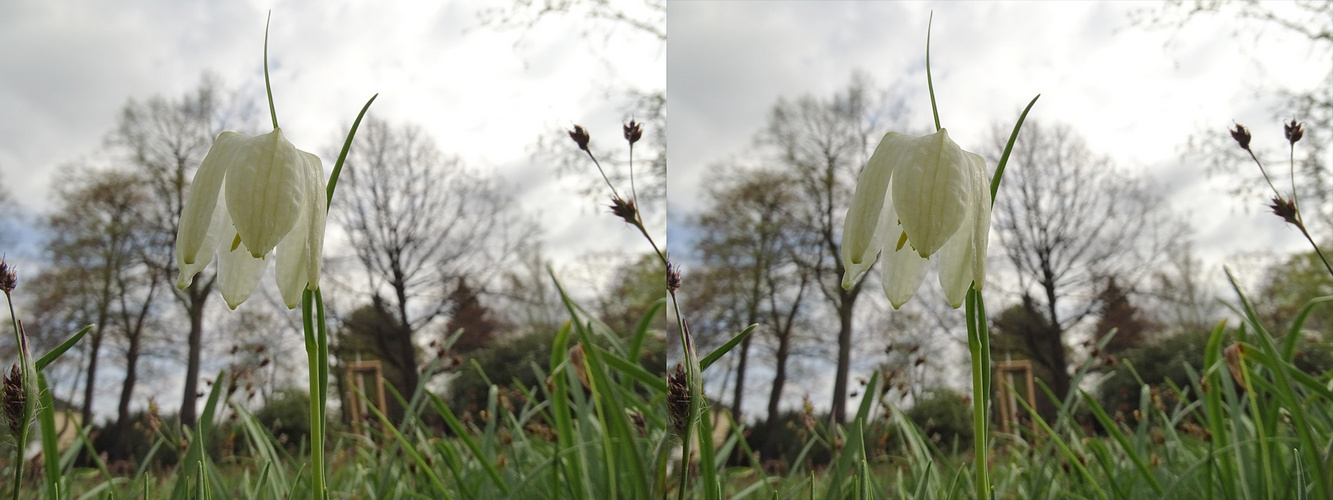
(598, 428)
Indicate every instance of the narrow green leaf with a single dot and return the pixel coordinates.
(347, 146)
(717, 354)
(60, 349)
(50, 448)
(268, 87)
(462, 433)
(930, 82)
(1129, 450)
(632, 370)
(1008, 148)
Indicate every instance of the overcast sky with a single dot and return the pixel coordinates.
(1134, 94)
(68, 67)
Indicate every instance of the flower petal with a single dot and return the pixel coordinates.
(963, 257)
(292, 273)
(318, 201)
(197, 215)
(956, 264)
(300, 253)
(238, 271)
(902, 269)
(265, 191)
(931, 191)
(217, 224)
(981, 221)
(861, 238)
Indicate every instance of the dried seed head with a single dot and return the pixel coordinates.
(8, 280)
(672, 277)
(14, 400)
(636, 418)
(1286, 209)
(1232, 354)
(576, 358)
(633, 131)
(580, 137)
(678, 399)
(154, 422)
(1242, 136)
(1293, 131)
(624, 209)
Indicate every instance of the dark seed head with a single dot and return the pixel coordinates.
(673, 277)
(1242, 136)
(1285, 209)
(580, 137)
(14, 398)
(624, 209)
(678, 399)
(633, 131)
(8, 280)
(1293, 131)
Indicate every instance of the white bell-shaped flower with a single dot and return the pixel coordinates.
(253, 194)
(919, 197)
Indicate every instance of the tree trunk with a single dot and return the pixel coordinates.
(1060, 368)
(191, 396)
(403, 348)
(738, 394)
(120, 448)
(771, 444)
(839, 409)
(88, 386)
(103, 311)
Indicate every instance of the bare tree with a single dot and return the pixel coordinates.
(600, 18)
(1069, 220)
(824, 143)
(95, 241)
(165, 140)
(597, 21)
(98, 238)
(1308, 19)
(748, 242)
(419, 221)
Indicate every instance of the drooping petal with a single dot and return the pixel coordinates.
(318, 201)
(981, 222)
(930, 191)
(300, 253)
(963, 258)
(861, 240)
(197, 215)
(292, 272)
(902, 270)
(218, 224)
(955, 259)
(238, 271)
(265, 190)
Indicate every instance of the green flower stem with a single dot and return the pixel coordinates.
(978, 344)
(318, 367)
(317, 337)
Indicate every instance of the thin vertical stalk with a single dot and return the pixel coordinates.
(979, 348)
(317, 474)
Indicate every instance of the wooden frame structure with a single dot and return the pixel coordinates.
(357, 373)
(1012, 414)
